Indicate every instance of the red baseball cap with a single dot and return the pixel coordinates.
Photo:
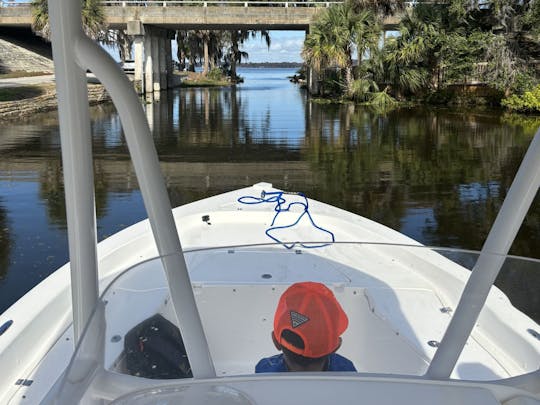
(311, 311)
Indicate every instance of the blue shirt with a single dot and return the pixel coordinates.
(276, 364)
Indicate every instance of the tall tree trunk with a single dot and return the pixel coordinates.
(234, 40)
(206, 56)
(349, 79)
(126, 43)
(192, 63)
(181, 55)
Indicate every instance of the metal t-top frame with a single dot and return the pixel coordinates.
(73, 54)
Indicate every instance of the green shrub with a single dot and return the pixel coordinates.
(215, 74)
(20, 93)
(529, 123)
(527, 102)
(382, 100)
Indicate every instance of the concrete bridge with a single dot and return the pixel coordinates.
(196, 14)
(153, 23)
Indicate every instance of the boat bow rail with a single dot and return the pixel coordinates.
(73, 53)
(396, 321)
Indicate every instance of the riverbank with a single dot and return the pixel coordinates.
(25, 100)
(41, 98)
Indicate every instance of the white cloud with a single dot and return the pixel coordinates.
(285, 47)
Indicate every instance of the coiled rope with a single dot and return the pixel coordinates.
(281, 205)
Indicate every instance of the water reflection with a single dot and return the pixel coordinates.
(5, 242)
(439, 176)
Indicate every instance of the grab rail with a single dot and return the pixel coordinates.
(73, 54)
(503, 232)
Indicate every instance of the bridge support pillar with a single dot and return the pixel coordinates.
(136, 29)
(148, 64)
(163, 68)
(168, 59)
(153, 57)
(155, 68)
(157, 54)
(138, 50)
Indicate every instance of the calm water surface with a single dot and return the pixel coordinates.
(438, 176)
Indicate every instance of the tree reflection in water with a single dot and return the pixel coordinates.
(439, 176)
(5, 241)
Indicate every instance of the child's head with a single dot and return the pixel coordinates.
(308, 325)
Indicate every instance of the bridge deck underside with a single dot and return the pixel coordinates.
(216, 17)
(195, 17)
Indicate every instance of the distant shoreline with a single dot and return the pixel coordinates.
(295, 65)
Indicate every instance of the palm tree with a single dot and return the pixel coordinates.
(193, 43)
(40, 18)
(237, 38)
(234, 55)
(181, 48)
(119, 40)
(205, 37)
(382, 8)
(315, 55)
(215, 47)
(93, 19)
(410, 60)
(337, 35)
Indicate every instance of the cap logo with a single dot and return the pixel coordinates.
(297, 319)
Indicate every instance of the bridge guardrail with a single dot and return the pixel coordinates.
(245, 3)
(204, 3)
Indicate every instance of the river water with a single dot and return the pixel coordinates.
(438, 176)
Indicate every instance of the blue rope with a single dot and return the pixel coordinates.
(281, 205)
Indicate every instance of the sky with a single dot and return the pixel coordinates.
(285, 47)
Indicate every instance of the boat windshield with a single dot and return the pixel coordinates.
(399, 300)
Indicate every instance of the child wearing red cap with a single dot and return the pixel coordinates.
(308, 325)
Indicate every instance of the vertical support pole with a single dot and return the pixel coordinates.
(146, 165)
(516, 204)
(148, 62)
(65, 22)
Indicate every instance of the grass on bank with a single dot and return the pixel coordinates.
(20, 93)
(204, 83)
(195, 79)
